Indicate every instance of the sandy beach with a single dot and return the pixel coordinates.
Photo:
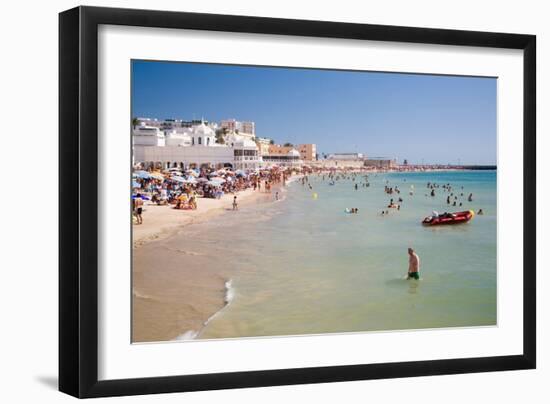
(161, 221)
(175, 291)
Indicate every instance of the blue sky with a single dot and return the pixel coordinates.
(435, 119)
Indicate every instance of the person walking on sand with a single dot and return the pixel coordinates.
(235, 206)
(138, 207)
(414, 265)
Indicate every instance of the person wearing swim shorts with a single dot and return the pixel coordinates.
(138, 206)
(414, 265)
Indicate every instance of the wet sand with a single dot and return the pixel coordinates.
(175, 291)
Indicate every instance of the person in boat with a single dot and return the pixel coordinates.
(414, 265)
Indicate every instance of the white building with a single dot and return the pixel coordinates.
(148, 136)
(246, 154)
(290, 159)
(346, 156)
(203, 135)
(192, 147)
(178, 138)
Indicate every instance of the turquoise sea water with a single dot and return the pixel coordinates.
(303, 266)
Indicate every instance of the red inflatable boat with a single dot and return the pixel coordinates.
(449, 218)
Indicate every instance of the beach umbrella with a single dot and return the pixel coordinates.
(157, 176)
(184, 180)
(141, 174)
(141, 197)
(216, 181)
(136, 184)
(177, 178)
(193, 173)
(190, 180)
(240, 173)
(202, 179)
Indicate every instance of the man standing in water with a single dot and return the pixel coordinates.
(414, 265)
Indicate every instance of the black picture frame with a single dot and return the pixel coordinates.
(78, 194)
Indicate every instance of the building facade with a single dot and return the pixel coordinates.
(194, 147)
(263, 145)
(380, 162)
(290, 159)
(346, 156)
(308, 152)
(148, 136)
(244, 127)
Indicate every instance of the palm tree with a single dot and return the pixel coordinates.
(135, 122)
(220, 133)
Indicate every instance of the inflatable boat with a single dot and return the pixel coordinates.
(449, 218)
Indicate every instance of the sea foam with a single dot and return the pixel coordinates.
(187, 335)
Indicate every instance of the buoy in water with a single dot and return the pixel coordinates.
(314, 195)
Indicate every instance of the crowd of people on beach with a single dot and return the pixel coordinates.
(182, 189)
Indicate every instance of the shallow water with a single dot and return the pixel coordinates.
(303, 266)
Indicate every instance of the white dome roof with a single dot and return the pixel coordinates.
(293, 153)
(203, 130)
